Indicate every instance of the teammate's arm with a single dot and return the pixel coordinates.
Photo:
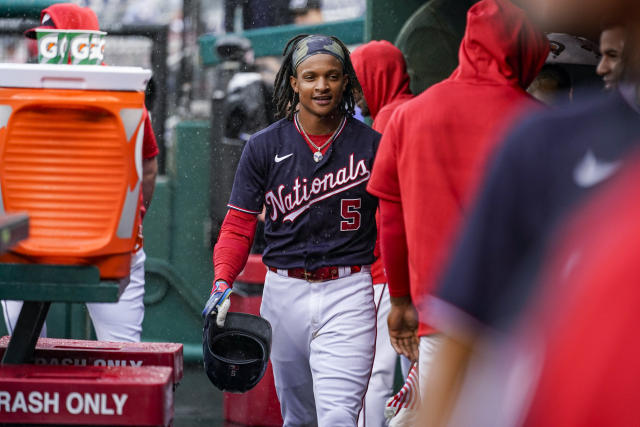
(149, 163)
(403, 318)
(149, 173)
(385, 184)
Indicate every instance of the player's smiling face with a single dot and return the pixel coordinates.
(319, 82)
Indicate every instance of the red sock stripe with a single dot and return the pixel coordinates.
(408, 396)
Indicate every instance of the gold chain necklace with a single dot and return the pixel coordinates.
(317, 156)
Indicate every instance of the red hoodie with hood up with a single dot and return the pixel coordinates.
(434, 149)
(382, 73)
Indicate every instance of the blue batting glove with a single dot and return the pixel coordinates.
(218, 303)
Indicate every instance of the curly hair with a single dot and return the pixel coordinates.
(286, 100)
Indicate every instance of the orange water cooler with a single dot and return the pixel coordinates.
(71, 157)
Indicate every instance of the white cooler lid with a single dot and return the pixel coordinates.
(87, 77)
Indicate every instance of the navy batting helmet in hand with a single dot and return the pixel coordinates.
(236, 355)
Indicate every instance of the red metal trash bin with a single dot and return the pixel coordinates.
(91, 395)
(259, 406)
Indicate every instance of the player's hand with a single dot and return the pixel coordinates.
(403, 328)
(218, 303)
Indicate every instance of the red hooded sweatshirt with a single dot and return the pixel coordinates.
(382, 73)
(435, 147)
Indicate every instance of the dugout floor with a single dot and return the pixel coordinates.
(197, 402)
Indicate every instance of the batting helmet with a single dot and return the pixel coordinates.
(236, 355)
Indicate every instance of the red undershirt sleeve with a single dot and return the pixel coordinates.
(234, 243)
(394, 248)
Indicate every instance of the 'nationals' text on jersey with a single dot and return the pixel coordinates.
(318, 214)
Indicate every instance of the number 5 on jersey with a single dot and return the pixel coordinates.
(349, 211)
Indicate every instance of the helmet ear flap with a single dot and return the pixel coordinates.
(236, 356)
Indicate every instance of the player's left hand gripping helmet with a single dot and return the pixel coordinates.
(236, 356)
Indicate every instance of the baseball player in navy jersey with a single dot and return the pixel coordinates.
(310, 170)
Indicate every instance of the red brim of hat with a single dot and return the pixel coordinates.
(31, 33)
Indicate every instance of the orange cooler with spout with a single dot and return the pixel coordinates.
(71, 157)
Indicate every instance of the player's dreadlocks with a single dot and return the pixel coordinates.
(286, 100)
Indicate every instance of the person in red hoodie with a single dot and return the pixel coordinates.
(382, 73)
(432, 155)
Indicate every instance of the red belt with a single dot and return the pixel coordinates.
(320, 275)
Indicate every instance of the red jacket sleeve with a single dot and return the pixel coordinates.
(149, 143)
(234, 242)
(395, 254)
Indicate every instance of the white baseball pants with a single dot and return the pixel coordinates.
(118, 321)
(122, 321)
(323, 346)
(429, 345)
(384, 365)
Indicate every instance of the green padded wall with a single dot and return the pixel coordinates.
(430, 40)
(29, 9)
(385, 18)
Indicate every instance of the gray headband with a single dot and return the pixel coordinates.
(314, 45)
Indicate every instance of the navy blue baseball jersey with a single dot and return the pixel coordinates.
(318, 213)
